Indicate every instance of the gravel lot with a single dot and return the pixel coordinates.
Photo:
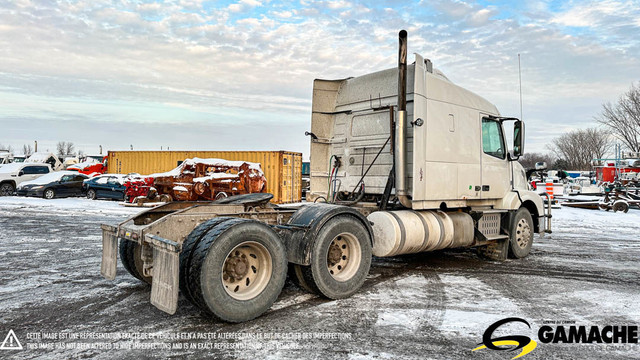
(434, 305)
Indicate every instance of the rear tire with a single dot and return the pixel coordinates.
(620, 205)
(7, 189)
(521, 237)
(49, 194)
(189, 244)
(237, 270)
(131, 260)
(340, 259)
(91, 194)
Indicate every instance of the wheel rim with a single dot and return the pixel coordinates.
(5, 190)
(523, 233)
(48, 194)
(344, 256)
(247, 270)
(91, 194)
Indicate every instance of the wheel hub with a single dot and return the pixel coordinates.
(343, 257)
(246, 270)
(236, 267)
(523, 233)
(335, 254)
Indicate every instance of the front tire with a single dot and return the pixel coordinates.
(49, 194)
(521, 238)
(238, 270)
(340, 259)
(7, 189)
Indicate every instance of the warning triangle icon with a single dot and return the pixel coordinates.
(11, 342)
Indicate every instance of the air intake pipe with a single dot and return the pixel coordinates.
(400, 152)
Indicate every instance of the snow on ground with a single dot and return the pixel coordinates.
(433, 305)
(72, 205)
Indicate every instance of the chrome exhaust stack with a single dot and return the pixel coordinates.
(400, 152)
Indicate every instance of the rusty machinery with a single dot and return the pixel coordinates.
(211, 179)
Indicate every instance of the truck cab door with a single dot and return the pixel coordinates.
(495, 166)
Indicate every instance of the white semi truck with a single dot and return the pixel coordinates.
(402, 161)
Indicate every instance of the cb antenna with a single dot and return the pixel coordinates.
(520, 83)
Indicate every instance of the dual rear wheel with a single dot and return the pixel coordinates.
(340, 259)
(235, 268)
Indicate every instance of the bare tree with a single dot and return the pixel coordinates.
(623, 118)
(577, 148)
(529, 160)
(27, 150)
(69, 149)
(7, 148)
(64, 148)
(61, 146)
(598, 142)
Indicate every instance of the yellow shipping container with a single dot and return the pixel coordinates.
(283, 169)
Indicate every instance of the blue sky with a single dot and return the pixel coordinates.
(237, 75)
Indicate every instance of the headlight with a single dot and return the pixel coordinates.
(37, 187)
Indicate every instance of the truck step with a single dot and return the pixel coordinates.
(497, 237)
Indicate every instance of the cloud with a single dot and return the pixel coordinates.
(254, 62)
(244, 5)
(283, 14)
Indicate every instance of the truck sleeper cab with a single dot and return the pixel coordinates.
(396, 168)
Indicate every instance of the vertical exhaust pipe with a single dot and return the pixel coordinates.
(400, 152)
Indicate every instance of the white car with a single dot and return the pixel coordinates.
(12, 175)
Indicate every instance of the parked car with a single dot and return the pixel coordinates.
(105, 187)
(14, 174)
(55, 184)
(19, 158)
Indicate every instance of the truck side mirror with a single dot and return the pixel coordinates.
(518, 139)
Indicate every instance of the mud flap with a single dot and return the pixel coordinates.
(498, 250)
(164, 285)
(109, 251)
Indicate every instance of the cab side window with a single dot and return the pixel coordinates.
(492, 139)
(29, 170)
(32, 170)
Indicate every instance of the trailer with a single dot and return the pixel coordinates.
(402, 161)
